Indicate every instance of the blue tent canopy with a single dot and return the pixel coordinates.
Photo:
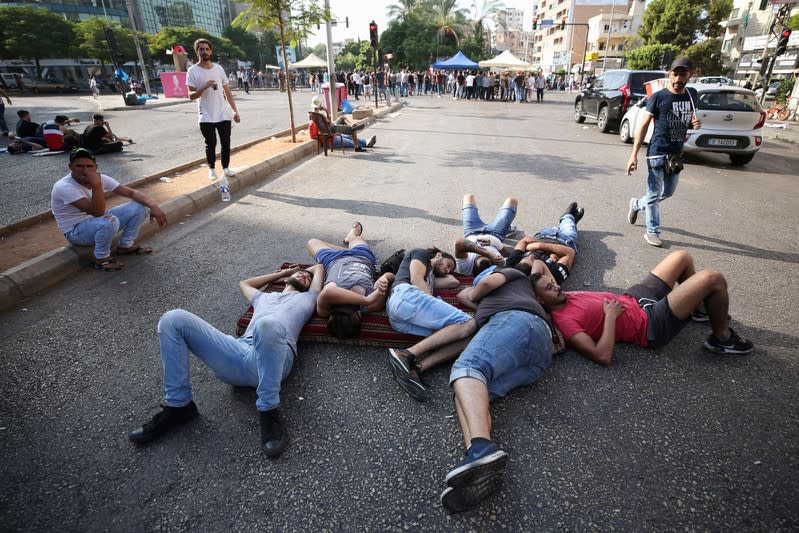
(458, 61)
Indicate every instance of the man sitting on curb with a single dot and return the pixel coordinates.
(78, 204)
(648, 314)
(350, 288)
(413, 309)
(512, 348)
(261, 358)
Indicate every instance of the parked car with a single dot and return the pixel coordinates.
(771, 91)
(51, 85)
(609, 96)
(732, 123)
(717, 80)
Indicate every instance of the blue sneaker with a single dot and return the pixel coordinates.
(482, 460)
(459, 499)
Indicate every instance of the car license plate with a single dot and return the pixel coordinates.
(722, 142)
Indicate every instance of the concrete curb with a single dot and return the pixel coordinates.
(42, 272)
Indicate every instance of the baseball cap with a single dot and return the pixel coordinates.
(61, 118)
(81, 152)
(682, 62)
(97, 116)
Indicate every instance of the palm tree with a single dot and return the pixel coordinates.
(485, 10)
(445, 17)
(403, 9)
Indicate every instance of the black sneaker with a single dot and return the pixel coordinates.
(168, 419)
(487, 460)
(466, 497)
(578, 214)
(632, 212)
(571, 209)
(733, 345)
(273, 437)
(701, 315)
(406, 373)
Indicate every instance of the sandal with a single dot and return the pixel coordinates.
(109, 264)
(135, 250)
(358, 230)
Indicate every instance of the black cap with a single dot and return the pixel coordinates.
(81, 152)
(682, 62)
(97, 116)
(61, 118)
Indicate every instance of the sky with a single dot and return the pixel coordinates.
(362, 12)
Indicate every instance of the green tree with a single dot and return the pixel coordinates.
(165, 39)
(320, 50)
(482, 11)
(676, 22)
(649, 57)
(247, 42)
(706, 57)
(92, 43)
(293, 19)
(34, 33)
(403, 9)
(715, 12)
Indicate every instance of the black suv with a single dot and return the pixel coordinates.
(607, 98)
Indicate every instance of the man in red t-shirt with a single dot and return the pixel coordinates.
(648, 314)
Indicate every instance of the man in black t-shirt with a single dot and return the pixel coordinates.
(100, 140)
(26, 128)
(412, 309)
(674, 112)
(512, 349)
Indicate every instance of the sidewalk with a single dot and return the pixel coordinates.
(35, 255)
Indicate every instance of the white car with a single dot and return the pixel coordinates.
(732, 122)
(717, 80)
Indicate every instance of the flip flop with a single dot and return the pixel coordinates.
(104, 265)
(137, 250)
(358, 232)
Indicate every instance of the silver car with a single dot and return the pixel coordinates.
(732, 122)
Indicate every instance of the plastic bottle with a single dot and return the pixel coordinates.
(224, 189)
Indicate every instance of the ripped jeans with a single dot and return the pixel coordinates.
(100, 231)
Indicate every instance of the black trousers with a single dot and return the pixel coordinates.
(209, 130)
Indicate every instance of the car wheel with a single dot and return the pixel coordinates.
(624, 132)
(578, 113)
(741, 159)
(602, 120)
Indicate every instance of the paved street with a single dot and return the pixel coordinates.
(666, 440)
(165, 137)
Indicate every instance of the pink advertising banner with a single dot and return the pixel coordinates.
(174, 84)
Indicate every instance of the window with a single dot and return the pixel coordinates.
(727, 46)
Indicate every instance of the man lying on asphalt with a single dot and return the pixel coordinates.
(648, 314)
(350, 287)
(78, 204)
(261, 358)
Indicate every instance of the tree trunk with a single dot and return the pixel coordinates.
(288, 77)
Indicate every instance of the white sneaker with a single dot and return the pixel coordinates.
(211, 174)
(228, 173)
(653, 239)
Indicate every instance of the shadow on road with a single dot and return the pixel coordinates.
(729, 247)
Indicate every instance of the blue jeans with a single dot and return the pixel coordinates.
(100, 231)
(520, 94)
(261, 361)
(347, 141)
(565, 232)
(413, 311)
(3, 125)
(472, 223)
(658, 188)
(404, 89)
(511, 350)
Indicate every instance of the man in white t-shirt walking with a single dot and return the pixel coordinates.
(78, 204)
(216, 108)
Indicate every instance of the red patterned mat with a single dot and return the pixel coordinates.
(375, 329)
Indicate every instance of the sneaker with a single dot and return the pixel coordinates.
(228, 173)
(406, 373)
(371, 142)
(211, 174)
(273, 437)
(360, 149)
(168, 419)
(578, 214)
(571, 209)
(632, 213)
(653, 239)
(466, 497)
(701, 315)
(482, 459)
(511, 230)
(733, 345)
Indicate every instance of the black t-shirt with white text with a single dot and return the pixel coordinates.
(672, 115)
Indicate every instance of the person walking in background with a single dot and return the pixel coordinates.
(674, 111)
(216, 108)
(3, 125)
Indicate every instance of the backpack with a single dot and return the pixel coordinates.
(393, 263)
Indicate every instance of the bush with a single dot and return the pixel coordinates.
(649, 57)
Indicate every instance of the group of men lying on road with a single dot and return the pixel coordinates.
(507, 344)
(56, 135)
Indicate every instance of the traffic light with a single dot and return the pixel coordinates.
(535, 23)
(563, 23)
(782, 44)
(373, 34)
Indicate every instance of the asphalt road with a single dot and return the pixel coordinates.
(165, 138)
(666, 440)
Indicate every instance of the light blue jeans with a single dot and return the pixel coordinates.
(658, 188)
(565, 232)
(413, 311)
(472, 223)
(512, 350)
(100, 231)
(262, 361)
